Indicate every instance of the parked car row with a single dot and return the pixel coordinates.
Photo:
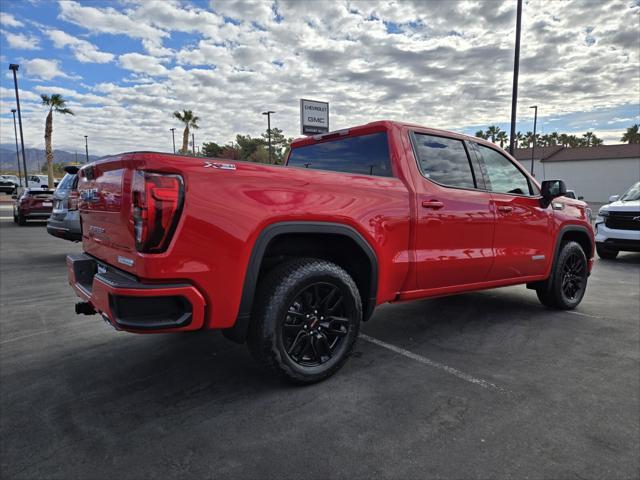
(59, 207)
(11, 183)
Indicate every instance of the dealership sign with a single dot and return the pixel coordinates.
(314, 117)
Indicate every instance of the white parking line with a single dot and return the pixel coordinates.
(440, 366)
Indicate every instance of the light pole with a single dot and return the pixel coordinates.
(516, 69)
(268, 114)
(14, 67)
(173, 135)
(193, 143)
(86, 147)
(535, 121)
(15, 131)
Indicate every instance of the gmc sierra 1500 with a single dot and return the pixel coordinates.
(292, 258)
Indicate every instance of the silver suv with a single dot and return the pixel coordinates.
(64, 221)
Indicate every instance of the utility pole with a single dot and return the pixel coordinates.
(86, 147)
(15, 131)
(535, 121)
(193, 143)
(268, 114)
(14, 67)
(173, 135)
(516, 69)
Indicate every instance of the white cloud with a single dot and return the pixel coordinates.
(136, 62)
(8, 20)
(20, 41)
(442, 64)
(108, 20)
(42, 69)
(84, 51)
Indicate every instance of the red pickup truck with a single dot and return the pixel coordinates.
(292, 258)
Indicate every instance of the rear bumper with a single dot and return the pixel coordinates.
(68, 228)
(130, 305)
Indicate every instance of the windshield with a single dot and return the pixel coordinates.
(632, 194)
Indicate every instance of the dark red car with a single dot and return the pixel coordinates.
(292, 258)
(33, 204)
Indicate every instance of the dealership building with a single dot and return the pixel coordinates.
(595, 173)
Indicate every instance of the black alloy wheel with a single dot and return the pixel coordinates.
(573, 276)
(315, 325)
(567, 283)
(306, 319)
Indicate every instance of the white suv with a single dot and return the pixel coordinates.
(618, 224)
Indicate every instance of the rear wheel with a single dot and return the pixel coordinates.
(567, 283)
(306, 320)
(606, 253)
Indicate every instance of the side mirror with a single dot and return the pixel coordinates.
(551, 189)
(580, 197)
(614, 198)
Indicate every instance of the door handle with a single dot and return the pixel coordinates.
(434, 204)
(505, 208)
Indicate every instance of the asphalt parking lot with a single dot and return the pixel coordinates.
(484, 385)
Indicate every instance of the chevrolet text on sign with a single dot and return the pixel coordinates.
(314, 117)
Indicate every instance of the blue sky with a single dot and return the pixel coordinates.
(125, 66)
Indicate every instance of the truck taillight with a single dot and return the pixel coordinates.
(73, 200)
(155, 209)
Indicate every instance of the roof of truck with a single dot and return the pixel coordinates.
(376, 126)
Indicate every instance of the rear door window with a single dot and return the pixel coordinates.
(444, 160)
(364, 155)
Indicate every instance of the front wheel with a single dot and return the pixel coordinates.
(567, 283)
(306, 320)
(22, 221)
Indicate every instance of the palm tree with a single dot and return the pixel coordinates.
(632, 135)
(573, 141)
(502, 138)
(563, 138)
(529, 137)
(587, 138)
(190, 121)
(56, 104)
(481, 134)
(596, 142)
(544, 141)
(519, 140)
(554, 138)
(492, 133)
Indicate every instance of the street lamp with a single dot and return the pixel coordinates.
(516, 69)
(15, 131)
(268, 114)
(535, 121)
(86, 147)
(14, 67)
(173, 135)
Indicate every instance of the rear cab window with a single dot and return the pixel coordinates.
(444, 160)
(362, 155)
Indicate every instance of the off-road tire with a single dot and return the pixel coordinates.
(606, 253)
(551, 292)
(277, 291)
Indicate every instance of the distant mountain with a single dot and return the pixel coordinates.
(36, 156)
